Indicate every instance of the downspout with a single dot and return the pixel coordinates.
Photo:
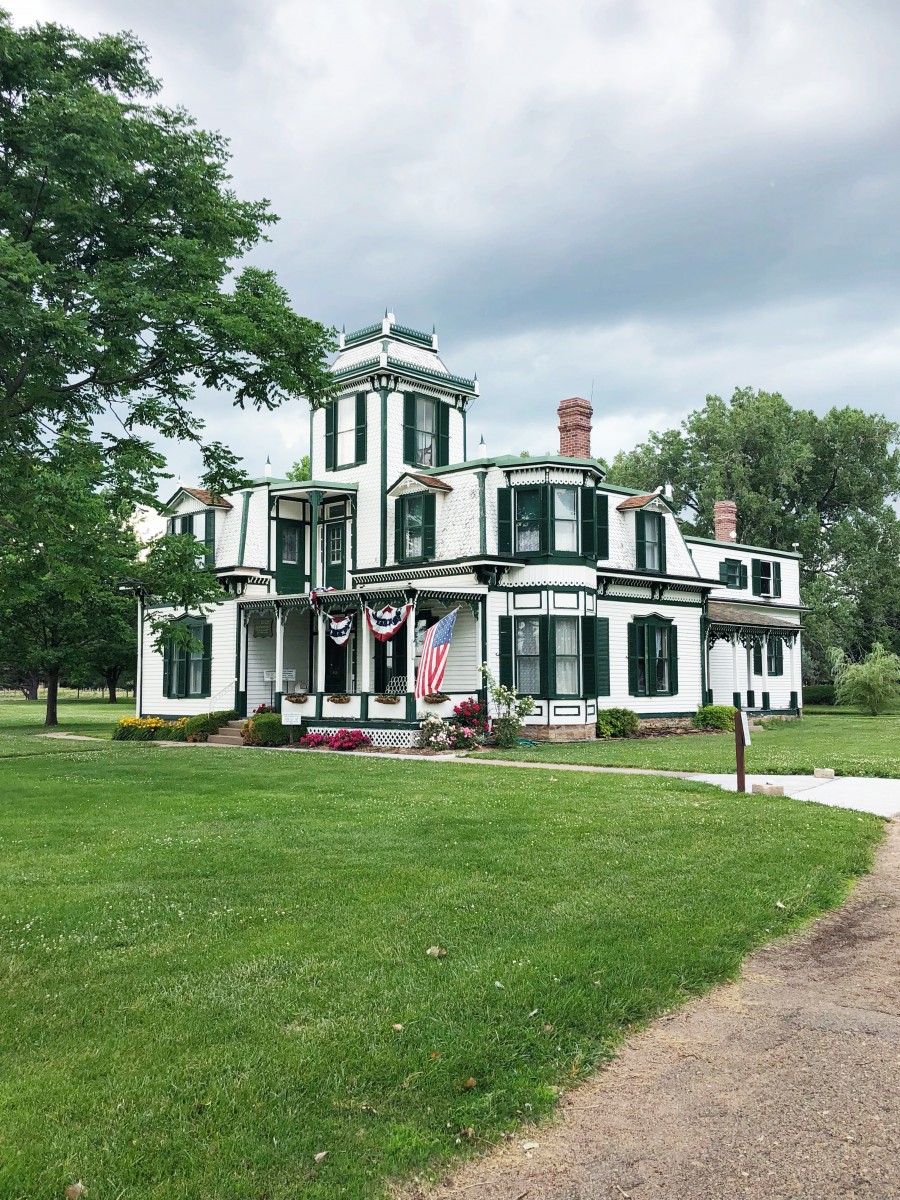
(315, 499)
(384, 396)
(482, 511)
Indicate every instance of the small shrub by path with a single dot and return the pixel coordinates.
(850, 744)
(216, 969)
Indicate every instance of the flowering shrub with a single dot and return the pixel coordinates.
(447, 735)
(263, 708)
(511, 708)
(342, 739)
(470, 714)
(149, 729)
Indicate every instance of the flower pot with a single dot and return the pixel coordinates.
(436, 698)
(388, 699)
(338, 699)
(299, 698)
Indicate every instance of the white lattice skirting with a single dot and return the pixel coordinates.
(399, 739)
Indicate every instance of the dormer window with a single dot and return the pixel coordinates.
(650, 534)
(766, 577)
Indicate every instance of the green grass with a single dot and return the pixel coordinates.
(850, 744)
(204, 953)
(22, 723)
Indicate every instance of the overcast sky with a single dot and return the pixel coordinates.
(657, 200)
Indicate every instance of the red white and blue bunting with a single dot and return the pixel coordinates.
(385, 623)
(339, 628)
(314, 601)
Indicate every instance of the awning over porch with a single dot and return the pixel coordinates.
(730, 622)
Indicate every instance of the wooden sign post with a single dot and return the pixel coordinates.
(741, 739)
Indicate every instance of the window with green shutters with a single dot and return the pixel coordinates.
(775, 656)
(289, 573)
(548, 519)
(564, 660)
(595, 656)
(650, 541)
(652, 657)
(555, 656)
(530, 524)
(187, 672)
(414, 527)
(529, 632)
(345, 432)
(757, 656)
(209, 537)
(766, 577)
(426, 431)
(602, 547)
(733, 573)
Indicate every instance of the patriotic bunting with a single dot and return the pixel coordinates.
(314, 602)
(435, 649)
(385, 623)
(339, 628)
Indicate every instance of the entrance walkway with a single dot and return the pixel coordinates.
(781, 1085)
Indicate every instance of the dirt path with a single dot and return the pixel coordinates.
(783, 1084)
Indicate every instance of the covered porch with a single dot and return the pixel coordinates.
(752, 660)
(286, 658)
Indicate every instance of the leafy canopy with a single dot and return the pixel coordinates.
(118, 234)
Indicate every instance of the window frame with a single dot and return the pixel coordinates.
(556, 623)
(532, 658)
(556, 521)
(733, 574)
(179, 663)
(641, 631)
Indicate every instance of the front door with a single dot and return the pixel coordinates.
(289, 560)
(335, 554)
(337, 660)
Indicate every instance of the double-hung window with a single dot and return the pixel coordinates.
(774, 656)
(565, 637)
(565, 520)
(186, 672)
(652, 657)
(528, 521)
(766, 577)
(733, 573)
(528, 655)
(425, 431)
(345, 432)
(414, 528)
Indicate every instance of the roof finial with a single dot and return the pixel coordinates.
(385, 310)
(268, 470)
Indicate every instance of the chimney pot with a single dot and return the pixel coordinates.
(575, 427)
(725, 520)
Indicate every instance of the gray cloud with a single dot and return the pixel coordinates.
(666, 200)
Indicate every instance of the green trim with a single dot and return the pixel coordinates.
(743, 546)
(704, 625)
(649, 600)
(464, 432)
(482, 513)
(315, 499)
(238, 628)
(507, 461)
(324, 485)
(383, 549)
(245, 513)
(353, 533)
(311, 415)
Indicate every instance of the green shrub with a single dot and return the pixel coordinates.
(873, 684)
(715, 716)
(506, 730)
(266, 729)
(149, 729)
(819, 693)
(198, 729)
(617, 723)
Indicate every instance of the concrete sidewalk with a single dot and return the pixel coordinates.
(878, 796)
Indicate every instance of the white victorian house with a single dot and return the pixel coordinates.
(580, 593)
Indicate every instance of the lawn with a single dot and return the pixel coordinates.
(850, 744)
(214, 963)
(22, 723)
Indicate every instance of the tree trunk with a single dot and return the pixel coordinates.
(30, 686)
(52, 717)
(112, 678)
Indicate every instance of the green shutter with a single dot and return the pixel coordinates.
(588, 522)
(428, 524)
(743, 575)
(589, 655)
(167, 669)
(757, 657)
(409, 428)
(504, 521)
(673, 659)
(170, 526)
(206, 638)
(506, 651)
(361, 427)
(602, 650)
(547, 655)
(635, 633)
(776, 656)
(442, 429)
(399, 522)
(209, 537)
(331, 436)
(724, 574)
(661, 541)
(546, 495)
(776, 579)
(181, 672)
(757, 580)
(602, 525)
(640, 540)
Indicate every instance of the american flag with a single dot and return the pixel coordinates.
(435, 649)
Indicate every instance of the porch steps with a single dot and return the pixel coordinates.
(228, 735)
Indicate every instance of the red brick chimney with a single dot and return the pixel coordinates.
(725, 520)
(575, 427)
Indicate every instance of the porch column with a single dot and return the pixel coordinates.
(363, 661)
(735, 682)
(792, 664)
(750, 675)
(411, 664)
(280, 618)
(764, 659)
(315, 499)
(320, 652)
(242, 663)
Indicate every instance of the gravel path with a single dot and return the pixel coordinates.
(783, 1084)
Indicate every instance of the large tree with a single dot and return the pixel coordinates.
(119, 231)
(825, 484)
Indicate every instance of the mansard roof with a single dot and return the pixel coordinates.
(401, 350)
